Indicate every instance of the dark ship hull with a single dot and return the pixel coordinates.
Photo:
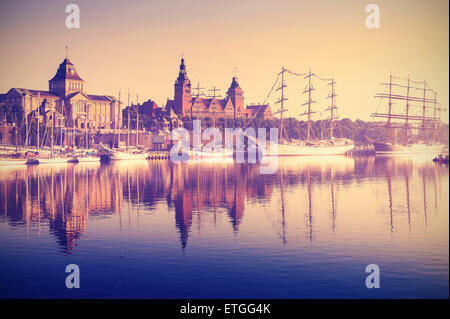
(409, 148)
(387, 147)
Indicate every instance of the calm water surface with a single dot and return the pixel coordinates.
(154, 229)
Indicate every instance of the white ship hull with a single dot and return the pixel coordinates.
(117, 155)
(224, 153)
(312, 150)
(88, 159)
(56, 160)
(4, 162)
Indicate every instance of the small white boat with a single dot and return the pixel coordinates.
(321, 147)
(130, 155)
(222, 153)
(88, 159)
(12, 161)
(54, 160)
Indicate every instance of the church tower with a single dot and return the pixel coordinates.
(236, 95)
(182, 98)
(66, 80)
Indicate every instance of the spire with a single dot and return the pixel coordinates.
(182, 65)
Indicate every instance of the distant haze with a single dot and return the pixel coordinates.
(138, 44)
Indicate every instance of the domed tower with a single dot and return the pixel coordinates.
(182, 98)
(66, 80)
(236, 95)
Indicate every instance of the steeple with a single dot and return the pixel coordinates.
(182, 75)
(66, 79)
(236, 94)
(182, 97)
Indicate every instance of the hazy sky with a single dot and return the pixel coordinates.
(138, 44)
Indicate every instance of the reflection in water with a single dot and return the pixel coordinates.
(65, 196)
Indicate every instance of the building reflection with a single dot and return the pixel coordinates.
(63, 197)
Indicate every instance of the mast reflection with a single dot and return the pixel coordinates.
(64, 197)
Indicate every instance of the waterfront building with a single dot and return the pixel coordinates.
(68, 100)
(186, 104)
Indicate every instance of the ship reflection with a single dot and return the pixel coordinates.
(62, 198)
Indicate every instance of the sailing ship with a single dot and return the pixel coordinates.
(410, 144)
(310, 146)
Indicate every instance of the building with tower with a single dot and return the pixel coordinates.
(188, 104)
(68, 100)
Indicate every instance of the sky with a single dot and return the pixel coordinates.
(139, 44)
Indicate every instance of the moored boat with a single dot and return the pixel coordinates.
(130, 155)
(338, 146)
(417, 148)
(222, 153)
(12, 161)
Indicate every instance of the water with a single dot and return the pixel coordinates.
(154, 229)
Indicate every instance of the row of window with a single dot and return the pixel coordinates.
(73, 86)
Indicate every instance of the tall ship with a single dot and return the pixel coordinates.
(311, 145)
(414, 101)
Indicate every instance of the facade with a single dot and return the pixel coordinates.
(67, 99)
(232, 106)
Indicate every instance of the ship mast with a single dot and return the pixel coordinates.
(309, 102)
(128, 125)
(214, 90)
(52, 124)
(195, 98)
(424, 109)
(38, 113)
(61, 127)
(406, 116)
(407, 112)
(281, 101)
(389, 110)
(332, 107)
(137, 119)
(119, 122)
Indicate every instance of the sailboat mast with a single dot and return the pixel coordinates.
(128, 125)
(52, 124)
(73, 132)
(214, 90)
(424, 109)
(435, 124)
(120, 122)
(281, 101)
(4, 132)
(26, 120)
(38, 113)
(332, 107)
(61, 128)
(309, 102)
(389, 110)
(85, 127)
(137, 119)
(407, 112)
